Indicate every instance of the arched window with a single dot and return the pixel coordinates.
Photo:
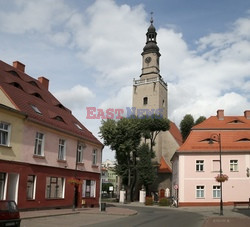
(145, 100)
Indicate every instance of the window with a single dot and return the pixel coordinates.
(31, 187)
(200, 191)
(145, 100)
(216, 191)
(2, 185)
(36, 109)
(39, 144)
(88, 188)
(61, 149)
(80, 153)
(94, 156)
(233, 165)
(4, 134)
(54, 187)
(216, 165)
(199, 165)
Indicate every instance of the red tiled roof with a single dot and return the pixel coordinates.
(25, 91)
(164, 167)
(175, 132)
(234, 133)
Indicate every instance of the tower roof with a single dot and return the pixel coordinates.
(151, 44)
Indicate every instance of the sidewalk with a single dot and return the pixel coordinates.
(113, 210)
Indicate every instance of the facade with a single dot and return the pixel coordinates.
(197, 162)
(47, 157)
(110, 176)
(150, 93)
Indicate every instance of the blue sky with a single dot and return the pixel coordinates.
(91, 51)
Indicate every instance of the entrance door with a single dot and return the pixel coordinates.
(12, 188)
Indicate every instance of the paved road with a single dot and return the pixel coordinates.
(146, 216)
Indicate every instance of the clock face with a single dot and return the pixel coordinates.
(148, 59)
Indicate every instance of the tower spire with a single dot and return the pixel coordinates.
(152, 20)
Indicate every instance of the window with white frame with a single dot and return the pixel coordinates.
(216, 191)
(79, 157)
(94, 157)
(4, 134)
(61, 149)
(89, 189)
(31, 182)
(200, 189)
(233, 165)
(2, 185)
(54, 187)
(199, 165)
(39, 143)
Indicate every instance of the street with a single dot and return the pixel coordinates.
(146, 216)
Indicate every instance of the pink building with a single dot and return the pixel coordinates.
(197, 162)
(47, 157)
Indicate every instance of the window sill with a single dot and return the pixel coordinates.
(61, 160)
(80, 163)
(54, 198)
(38, 156)
(6, 146)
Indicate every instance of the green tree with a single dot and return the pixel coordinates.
(186, 125)
(146, 170)
(199, 120)
(124, 137)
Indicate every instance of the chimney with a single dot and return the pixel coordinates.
(220, 114)
(44, 81)
(18, 65)
(247, 114)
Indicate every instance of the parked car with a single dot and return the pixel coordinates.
(9, 214)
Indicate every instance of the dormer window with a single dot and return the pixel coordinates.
(17, 85)
(37, 95)
(33, 83)
(145, 100)
(14, 73)
(60, 106)
(59, 118)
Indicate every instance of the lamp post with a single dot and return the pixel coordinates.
(217, 138)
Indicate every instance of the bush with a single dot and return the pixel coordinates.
(164, 202)
(149, 201)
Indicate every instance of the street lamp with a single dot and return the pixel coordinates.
(217, 138)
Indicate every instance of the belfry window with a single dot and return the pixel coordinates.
(145, 100)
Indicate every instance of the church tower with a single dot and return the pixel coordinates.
(150, 91)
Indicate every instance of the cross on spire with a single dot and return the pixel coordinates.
(151, 20)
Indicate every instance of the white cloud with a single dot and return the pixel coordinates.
(75, 98)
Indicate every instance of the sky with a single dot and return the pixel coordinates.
(91, 52)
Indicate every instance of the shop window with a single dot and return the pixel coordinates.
(89, 189)
(2, 185)
(31, 182)
(54, 187)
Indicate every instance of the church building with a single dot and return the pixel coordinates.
(150, 92)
